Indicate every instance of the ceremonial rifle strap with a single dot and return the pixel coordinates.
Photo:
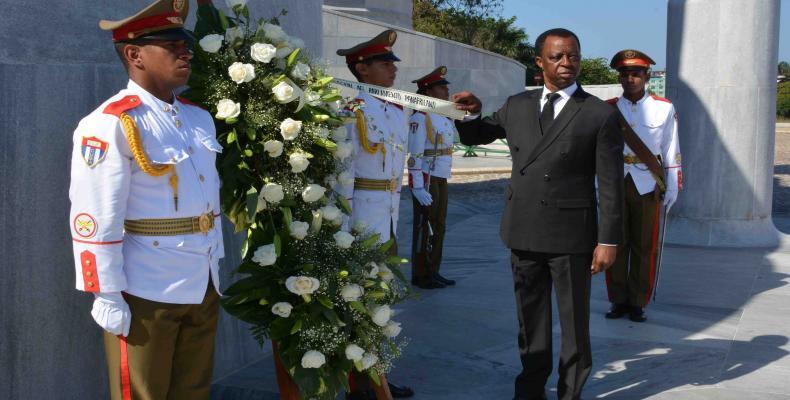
(642, 151)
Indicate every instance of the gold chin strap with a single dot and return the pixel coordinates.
(429, 130)
(362, 128)
(136, 147)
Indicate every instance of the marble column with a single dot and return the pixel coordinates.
(721, 76)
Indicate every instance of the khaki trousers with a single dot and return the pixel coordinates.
(169, 353)
(630, 279)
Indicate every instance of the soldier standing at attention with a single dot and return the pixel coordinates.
(144, 215)
(380, 138)
(431, 148)
(653, 124)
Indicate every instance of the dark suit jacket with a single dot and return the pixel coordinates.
(551, 201)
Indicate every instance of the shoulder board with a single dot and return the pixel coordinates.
(125, 104)
(660, 98)
(613, 100)
(189, 102)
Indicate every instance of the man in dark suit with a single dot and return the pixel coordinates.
(561, 138)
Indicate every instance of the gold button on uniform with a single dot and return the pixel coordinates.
(178, 123)
(89, 274)
(87, 262)
(156, 243)
(90, 284)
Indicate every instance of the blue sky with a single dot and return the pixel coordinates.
(607, 26)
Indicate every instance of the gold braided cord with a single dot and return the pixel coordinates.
(429, 130)
(138, 152)
(362, 128)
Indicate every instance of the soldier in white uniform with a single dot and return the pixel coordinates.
(380, 141)
(430, 161)
(630, 280)
(145, 215)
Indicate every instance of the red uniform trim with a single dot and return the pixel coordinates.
(126, 379)
(612, 100)
(97, 243)
(189, 102)
(135, 28)
(632, 62)
(659, 98)
(368, 52)
(90, 276)
(430, 79)
(123, 105)
(653, 252)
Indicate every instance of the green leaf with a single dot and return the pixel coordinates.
(248, 152)
(297, 326)
(278, 244)
(263, 302)
(231, 121)
(308, 267)
(251, 133)
(385, 248)
(325, 301)
(231, 136)
(359, 307)
(384, 285)
(371, 241)
(223, 20)
(252, 202)
(324, 81)
(332, 317)
(374, 376)
(396, 260)
(376, 294)
(326, 143)
(396, 270)
(245, 247)
(287, 217)
(293, 57)
(345, 205)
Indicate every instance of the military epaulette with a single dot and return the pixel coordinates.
(612, 100)
(355, 104)
(189, 102)
(659, 98)
(121, 106)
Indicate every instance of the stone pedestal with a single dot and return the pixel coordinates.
(721, 76)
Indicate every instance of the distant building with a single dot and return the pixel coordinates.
(657, 83)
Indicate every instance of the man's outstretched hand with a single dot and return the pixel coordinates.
(603, 258)
(468, 102)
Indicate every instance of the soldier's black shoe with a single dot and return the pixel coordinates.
(400, 391)
(441, 279)
(365, 395)
(637, 314)
(431, 284)
(617, 311)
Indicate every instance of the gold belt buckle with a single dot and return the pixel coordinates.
(393, 185)
(205, 222)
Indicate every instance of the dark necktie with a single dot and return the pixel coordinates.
(547, 115)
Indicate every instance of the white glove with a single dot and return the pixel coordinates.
(422, 196)
(112, 313)
(669, 198)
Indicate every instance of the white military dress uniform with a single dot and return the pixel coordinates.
(109, 187)
(422, 148)
(387, 133)
(653, 118)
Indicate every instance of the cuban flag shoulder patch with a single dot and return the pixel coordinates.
(93, 150)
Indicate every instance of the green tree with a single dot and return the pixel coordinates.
(477, 23)
(784, 69)
(783, 100)
(596, 71)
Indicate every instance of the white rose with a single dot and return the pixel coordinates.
(374, 270)
(340, 134)
(233, 34)
(272, 192)
(332, 213)
(295, 42)
(283, 52)
(346, 178)
(299, 162)
(282, 309)
(343, 150)
(343, 239)
(354, 352)
(351, 292)
(313, 193)
(360, 225)
(289, 128)
(392, 329)
(302, 284)
(241, 73)
(211, 43)
(265, 255)
(301, 71)
(386, 274)
(369, 360)
(284, 93)
(274, 32)
(299, 229)
(312, 98)
(313, 359)
(273, 147)
(227, 108)
(234, 3)
(381, 315)
(262, 52)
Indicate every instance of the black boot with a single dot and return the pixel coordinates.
(441, 279)
(637, 314)
(430, 284)
(400, 391)
(617, 311)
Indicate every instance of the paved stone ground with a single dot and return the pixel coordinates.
(717, 331)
